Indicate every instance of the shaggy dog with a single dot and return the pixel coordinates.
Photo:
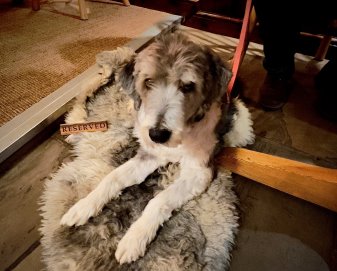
(178, 89)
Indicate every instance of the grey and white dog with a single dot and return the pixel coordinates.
(178, 89)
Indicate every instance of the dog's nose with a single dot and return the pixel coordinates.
(159, 135)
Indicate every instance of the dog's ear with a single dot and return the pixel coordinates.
(127, 81)
(168, 31)
(216, 79)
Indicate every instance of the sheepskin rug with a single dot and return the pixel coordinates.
(199, 236)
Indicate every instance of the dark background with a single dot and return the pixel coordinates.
(225, 17)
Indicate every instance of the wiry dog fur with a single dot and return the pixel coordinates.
(177, 87)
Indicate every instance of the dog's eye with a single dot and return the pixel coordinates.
(148, 83)
(187, 88)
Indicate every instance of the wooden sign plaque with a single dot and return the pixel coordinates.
(69, 129)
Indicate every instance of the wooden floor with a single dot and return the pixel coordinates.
(278, 232)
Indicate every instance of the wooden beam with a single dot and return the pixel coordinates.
(311, 183)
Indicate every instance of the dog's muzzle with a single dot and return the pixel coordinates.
(158, 135)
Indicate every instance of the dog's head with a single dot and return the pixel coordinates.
(173, 83)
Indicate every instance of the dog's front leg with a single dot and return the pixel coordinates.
(132, 172)
(193, 181)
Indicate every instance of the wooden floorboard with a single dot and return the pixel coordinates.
(32, 262)
(21, 185)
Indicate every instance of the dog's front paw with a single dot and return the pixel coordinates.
(132, 246)
(73, 139)
(79, 213)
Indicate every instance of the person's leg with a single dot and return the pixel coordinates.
(278, 24)
(326, 84)
(279, 29)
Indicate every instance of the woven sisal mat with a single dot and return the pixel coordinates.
(41, 51)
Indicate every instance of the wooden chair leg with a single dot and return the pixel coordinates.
(323, 48)
(83, 9)
(36, 5)
(252, 23)
(126, 2)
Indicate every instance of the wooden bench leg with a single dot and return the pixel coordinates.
(323, 48)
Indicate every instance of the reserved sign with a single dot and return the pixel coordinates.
(68, 129)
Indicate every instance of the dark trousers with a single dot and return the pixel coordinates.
(280, 22)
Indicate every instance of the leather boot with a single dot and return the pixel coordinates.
(274, 92)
